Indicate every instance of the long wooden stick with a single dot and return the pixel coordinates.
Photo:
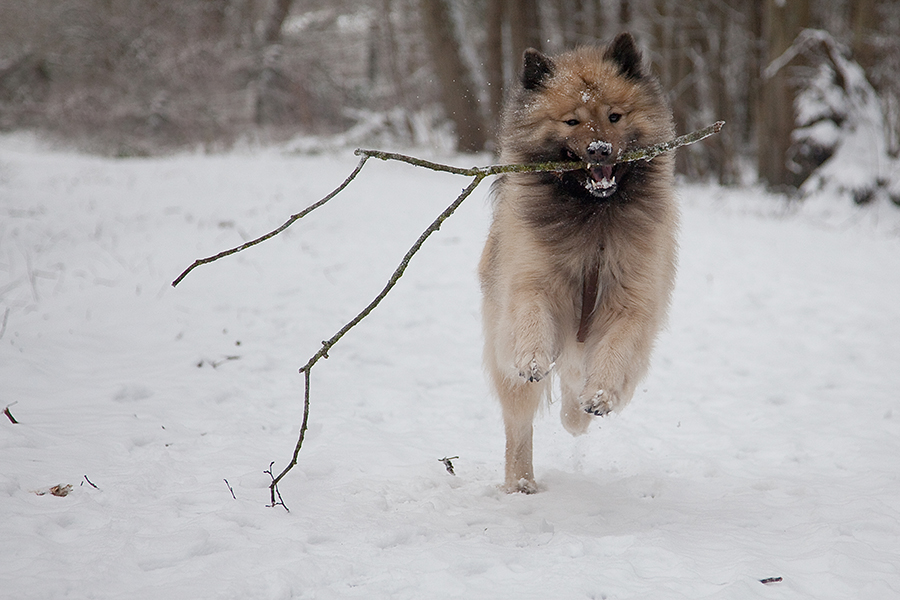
(328, 344)
(478, 175)
(648, 153)
(276, 231)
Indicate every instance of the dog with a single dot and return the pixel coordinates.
(578, 267)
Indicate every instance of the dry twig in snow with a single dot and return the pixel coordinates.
(9, 415)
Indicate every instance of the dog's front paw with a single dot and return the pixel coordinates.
(534, 369)
(522, 486)
(601, 403)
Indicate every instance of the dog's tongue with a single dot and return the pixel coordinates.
(601, 172)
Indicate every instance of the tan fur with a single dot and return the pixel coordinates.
(542, 242)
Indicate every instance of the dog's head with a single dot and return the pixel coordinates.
(590, 105)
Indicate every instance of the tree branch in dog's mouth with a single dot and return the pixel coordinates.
(648, 153)
(600, 176)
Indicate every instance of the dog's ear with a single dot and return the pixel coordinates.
(538, 68)
(624, 52)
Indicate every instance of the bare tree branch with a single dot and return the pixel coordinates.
(274, 232)
(478, 175)
(652, 152)
(327, 345)
(648, 153)
(9, 415)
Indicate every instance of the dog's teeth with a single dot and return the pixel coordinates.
(603, 184)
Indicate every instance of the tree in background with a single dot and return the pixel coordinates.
(460, 99)
(511, 28)
(782, 22)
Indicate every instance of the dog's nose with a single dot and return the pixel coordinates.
(599, 148)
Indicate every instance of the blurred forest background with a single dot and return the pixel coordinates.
(801, 83)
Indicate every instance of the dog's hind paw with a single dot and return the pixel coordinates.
(600, 404)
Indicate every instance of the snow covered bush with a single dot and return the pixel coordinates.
(840, 139)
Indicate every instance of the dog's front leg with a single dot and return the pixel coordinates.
(519, 400)
(523, 334)
(616, 362)
(534, 335)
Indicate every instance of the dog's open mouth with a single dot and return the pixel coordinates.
(601, 180)
(598, 179)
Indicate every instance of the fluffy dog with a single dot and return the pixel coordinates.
(579, 266)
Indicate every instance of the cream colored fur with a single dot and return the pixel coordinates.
(532, 291)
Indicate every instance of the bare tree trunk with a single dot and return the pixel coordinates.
(458, 97)
(274, 20)
(276, 96)
(662, 31)
(494, 58)
(782, 22)
(579, 21)
(590, 21)
(723, 147)
(524, 25)
(754, 10)
(864, 25)
(213, 19)
(390, 38)
(625, 14)
(683, 90)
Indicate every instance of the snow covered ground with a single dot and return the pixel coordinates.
(765, 442)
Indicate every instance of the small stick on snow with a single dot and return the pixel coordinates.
(769, 580)
(229, 489)
(3, 324)
(8, 414)
(91, 483)
(448, 464)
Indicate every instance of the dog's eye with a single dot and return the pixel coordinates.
(614, 117)
(573, 122)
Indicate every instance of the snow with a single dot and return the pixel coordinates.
(764, 442)
(601, 147)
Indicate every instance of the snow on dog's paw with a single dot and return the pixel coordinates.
(522, 486)
(534, 370)
(600, 404)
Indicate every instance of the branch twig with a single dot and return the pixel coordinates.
(274, 232)
(3, 323)
(274, 488)
(9, 415)
(648, 153)
(328, 344)
(652, 152)
(448, 464)
(478, 175)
